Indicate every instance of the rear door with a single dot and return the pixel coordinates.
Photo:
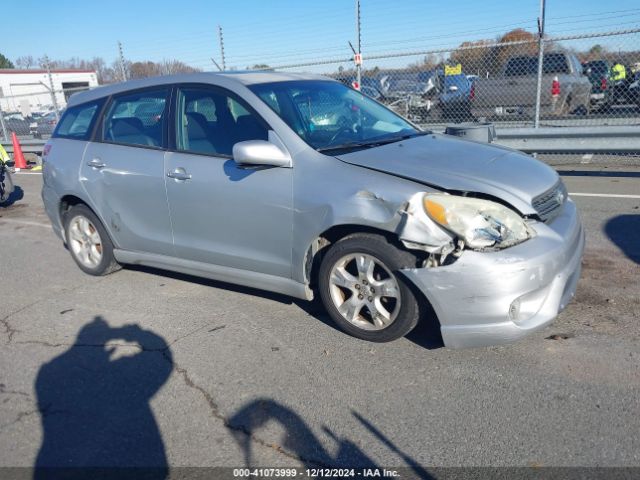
(123, 171)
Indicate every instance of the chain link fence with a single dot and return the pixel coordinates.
(583, 80)
(580, 83)
(33, 114)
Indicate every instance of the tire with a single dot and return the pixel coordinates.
(88, 242)
(397, 313)
(565, 110)
(7, 184)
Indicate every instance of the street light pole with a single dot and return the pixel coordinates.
(221, 40)
(123, 70)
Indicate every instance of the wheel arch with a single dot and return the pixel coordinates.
(70, 200)
(428, 318)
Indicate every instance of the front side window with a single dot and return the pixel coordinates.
(137, 119)
(77, 122)
(328, 115)
(211, 122)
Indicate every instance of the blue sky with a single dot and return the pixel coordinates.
(285, 31)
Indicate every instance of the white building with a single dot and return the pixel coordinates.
(28, 91)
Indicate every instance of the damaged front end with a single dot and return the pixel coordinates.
(444, 225)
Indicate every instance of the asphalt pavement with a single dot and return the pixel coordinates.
(201, 373)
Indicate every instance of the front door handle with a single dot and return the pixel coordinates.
(179, 174)
(96, 163)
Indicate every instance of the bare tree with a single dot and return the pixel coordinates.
(26, 61)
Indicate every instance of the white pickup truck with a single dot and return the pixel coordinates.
(565, 88)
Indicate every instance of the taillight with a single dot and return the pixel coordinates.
(45, 151)
(472, 92)
(555, 87)
(603, 83)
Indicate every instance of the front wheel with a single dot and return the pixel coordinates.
(364, 293)
(88, 242)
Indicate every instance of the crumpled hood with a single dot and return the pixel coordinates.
(449, 163)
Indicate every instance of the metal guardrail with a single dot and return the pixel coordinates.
(618, 139)
(28, 146)
(614, 139)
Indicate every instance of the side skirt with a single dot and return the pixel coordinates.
(236, 276)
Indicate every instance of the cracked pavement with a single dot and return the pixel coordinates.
(257, 378)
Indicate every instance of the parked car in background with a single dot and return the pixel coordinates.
(370, 86)
(457, 92)
(602, 92)
(296, 184)
(430, 95)
(43, 125)
(565, 88)
(634, 89)
(401, 84)
(623, 91)
(16, 122)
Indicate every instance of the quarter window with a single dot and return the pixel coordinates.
(137, 119)
(77, 122)
(211, 122)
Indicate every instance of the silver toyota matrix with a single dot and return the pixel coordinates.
(299, 185)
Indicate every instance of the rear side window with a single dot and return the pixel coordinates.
(555, 63)
(77, 122)
(137, 119)
(520, 66)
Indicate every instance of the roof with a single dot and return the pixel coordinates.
(23, 71)
(224, 79)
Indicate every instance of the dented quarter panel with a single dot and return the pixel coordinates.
(329, 192)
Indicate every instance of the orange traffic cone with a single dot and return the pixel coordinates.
(18, 157)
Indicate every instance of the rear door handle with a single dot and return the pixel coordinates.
(179, 174)
(96, 163)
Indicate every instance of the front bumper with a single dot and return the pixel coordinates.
(488, 298)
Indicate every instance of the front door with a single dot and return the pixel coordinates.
(221, 213)
(123, 172)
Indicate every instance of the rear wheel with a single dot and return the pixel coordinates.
(88, 242)
(364, 293)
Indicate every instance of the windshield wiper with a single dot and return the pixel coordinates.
(372, 143)
(346, 146)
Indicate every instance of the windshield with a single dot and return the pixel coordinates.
(327, 115)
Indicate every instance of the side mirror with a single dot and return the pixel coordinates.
(260, 152)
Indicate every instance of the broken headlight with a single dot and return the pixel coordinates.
(479, 223)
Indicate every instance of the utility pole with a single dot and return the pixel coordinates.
(221, 40)
(358, 46)
(536, 121)
(123, 70)
(52, 91)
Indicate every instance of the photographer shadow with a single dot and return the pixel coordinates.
(95, 408)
